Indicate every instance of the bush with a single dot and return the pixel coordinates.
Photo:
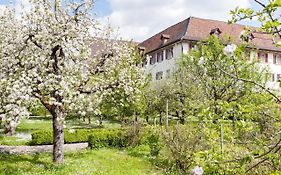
(108, 138)
(154, 144)
(44, 137)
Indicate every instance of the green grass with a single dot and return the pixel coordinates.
(97, 162)
(32, 124)
(45, 123)
(12, 141)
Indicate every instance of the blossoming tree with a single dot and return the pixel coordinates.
(12, 99)
(52, 60)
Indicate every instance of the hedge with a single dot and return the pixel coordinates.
(99, 138)
(109, 138)
(45, 137)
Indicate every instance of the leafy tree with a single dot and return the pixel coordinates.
(267, 14)
(225, 92)
(48, 54)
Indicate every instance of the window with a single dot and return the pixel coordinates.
(278, 78)
(152, 59)
(159, 75)
(273, 77)
(276, 59)
(262, 57)
(169, 53)
(168, 74)
(160, 56)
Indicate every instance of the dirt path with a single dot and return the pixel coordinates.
(39, 149)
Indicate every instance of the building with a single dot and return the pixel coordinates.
(163, 49)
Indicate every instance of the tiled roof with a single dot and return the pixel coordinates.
(197, 29)
(105, 46)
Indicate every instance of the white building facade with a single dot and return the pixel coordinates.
(163, 50)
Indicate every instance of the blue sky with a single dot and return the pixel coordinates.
(140, 19)
(102, 7)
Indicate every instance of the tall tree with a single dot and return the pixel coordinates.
(51, 58)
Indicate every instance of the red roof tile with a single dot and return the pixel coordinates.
(197, 29)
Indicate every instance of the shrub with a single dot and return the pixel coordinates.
(154, 144)
(108, 138)
(44, 137)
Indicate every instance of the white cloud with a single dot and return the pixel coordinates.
(140, 19)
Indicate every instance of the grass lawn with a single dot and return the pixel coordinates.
(27, 126)
(87, 162)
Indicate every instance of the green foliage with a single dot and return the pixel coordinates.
(226, 95)
(267, 14)
(37, 109)
(43, 137)
(108, 138)
(154, 144)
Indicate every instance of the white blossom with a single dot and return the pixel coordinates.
(201, 61)
(197, 170)
(229, 49)
(77, 80)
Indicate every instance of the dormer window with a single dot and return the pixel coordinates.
(141, 50)
(246, 36)
(215, 31)
(165, 38)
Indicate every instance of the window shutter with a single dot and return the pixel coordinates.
(259, 56)
(266, 57)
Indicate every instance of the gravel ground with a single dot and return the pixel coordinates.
(39, 149)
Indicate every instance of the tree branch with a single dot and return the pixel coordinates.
(252, 82)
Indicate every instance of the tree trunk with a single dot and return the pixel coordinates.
(58, 134)
(89, 120)
(100, 121)
(10, 129)
(160, 121)
(182, 120)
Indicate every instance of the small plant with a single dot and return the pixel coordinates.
(154, 144)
